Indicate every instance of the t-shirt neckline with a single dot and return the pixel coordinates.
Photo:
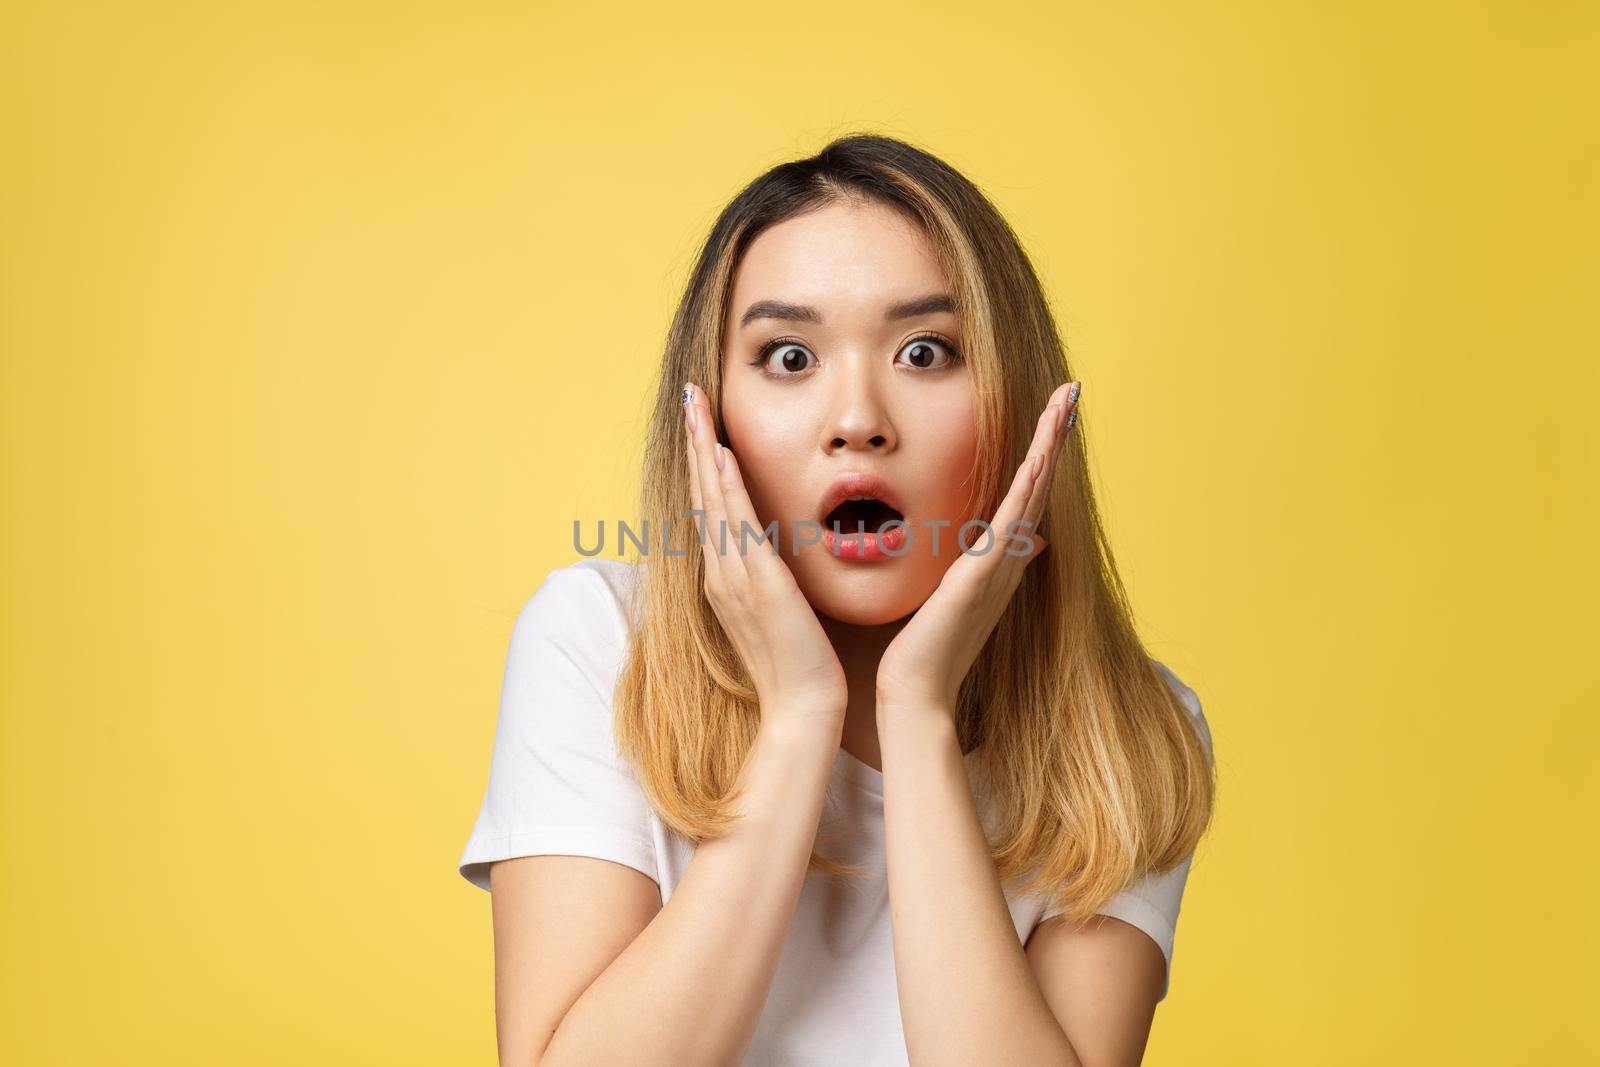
(853, 772)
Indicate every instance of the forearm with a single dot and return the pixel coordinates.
(967, 992)
(690, 988)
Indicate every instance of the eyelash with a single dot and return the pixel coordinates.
(763, 356)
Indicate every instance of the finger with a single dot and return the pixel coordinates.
(744, 526)
(694, 465)
(1033, 470)
(1066, 421)
(711, 497)
(696, 492)
(1064, 417)
(694, 488)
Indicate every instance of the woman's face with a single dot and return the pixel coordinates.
(831, 368)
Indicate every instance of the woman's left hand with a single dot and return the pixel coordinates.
(923, 667)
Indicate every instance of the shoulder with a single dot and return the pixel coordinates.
(582, 609)
(586, 595)
(1191, 702)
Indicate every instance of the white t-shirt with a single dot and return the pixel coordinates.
(557, 786)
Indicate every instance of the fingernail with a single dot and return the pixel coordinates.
(1072, 420)
(687, 394)
(721, 464)
(1072, 392)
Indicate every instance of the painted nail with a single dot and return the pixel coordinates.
(686, 396)
(1072, 392)
(1072, 420)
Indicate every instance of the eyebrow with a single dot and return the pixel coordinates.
(782, 309)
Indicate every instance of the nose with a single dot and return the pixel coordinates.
(858, 416)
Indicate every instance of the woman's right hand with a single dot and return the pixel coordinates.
(792, 663)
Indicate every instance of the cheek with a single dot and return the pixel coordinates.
(949, 436)
(768, 442)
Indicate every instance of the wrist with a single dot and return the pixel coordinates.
(898, 704)
(802, 724)
(929, 720)
(913, 739)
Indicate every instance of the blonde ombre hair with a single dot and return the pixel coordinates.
(1094, 773)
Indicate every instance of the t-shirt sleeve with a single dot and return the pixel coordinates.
(557, 785)
(1152, 903)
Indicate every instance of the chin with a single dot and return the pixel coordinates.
(864, 594)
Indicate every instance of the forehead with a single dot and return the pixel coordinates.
(840, 255)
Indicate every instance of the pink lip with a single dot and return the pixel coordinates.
(851, 544)
(861, 484)
(863, 546)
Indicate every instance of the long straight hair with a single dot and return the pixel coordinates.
(1093, 771)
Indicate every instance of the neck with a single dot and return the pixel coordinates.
(859, 649)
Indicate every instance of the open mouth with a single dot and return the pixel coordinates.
(861, 513)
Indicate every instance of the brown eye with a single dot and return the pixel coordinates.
(784, 359)
(929, 353)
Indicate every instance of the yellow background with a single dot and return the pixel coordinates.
(321, 322)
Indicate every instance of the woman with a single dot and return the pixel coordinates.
(892, 780)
